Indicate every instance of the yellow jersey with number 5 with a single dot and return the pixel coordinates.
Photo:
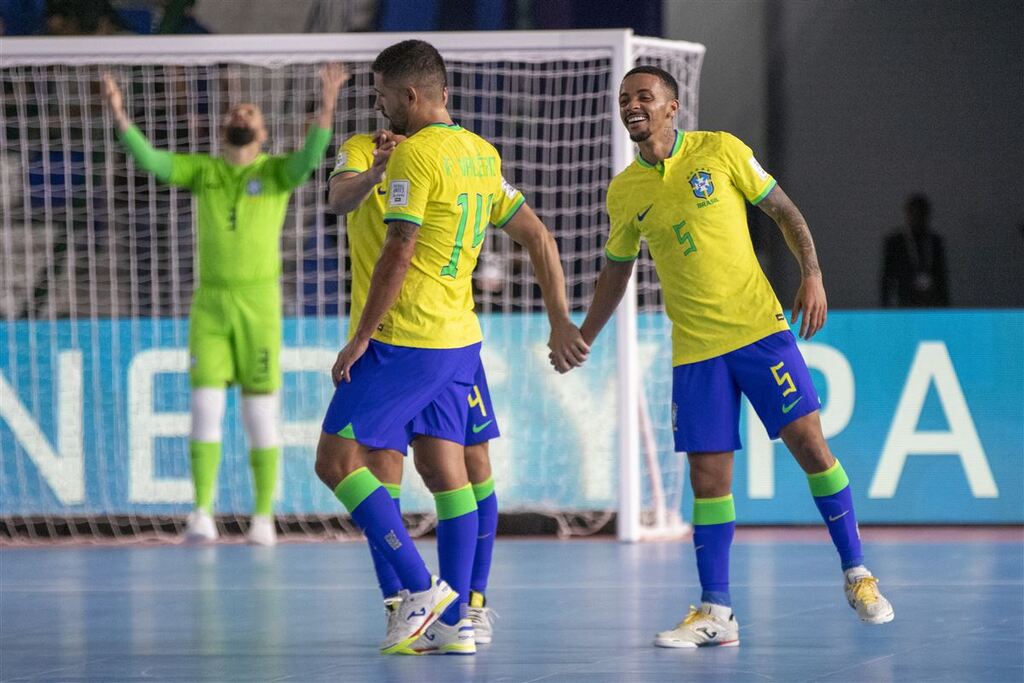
(691, 210)
(447, 181)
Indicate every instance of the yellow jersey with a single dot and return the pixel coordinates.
(691, 210)
(364, 225)
(447, 181)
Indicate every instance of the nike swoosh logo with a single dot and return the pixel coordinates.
(789, 407)
(381, 191)
(698, 547)
(479, 428)
(641, 216)
(832, 519)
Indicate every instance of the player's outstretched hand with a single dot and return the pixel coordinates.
(112, 93)
(810, 300)
(332, 76)
(348, 356)
(568, 350)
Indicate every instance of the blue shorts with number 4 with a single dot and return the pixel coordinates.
(481, 424)
(393, 386)
(772, 374)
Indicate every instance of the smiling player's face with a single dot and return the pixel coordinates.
(392, 103)
(645, 106)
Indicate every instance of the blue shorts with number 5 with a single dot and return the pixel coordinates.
(772, 374)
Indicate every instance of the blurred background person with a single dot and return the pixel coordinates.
(914, 261)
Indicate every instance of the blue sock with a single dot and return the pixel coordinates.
(487, 507)
(373, 510)
(386, 576)
(457, 527)
(831, 491)
(714, 524)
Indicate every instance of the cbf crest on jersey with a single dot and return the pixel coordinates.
(253, 187)
(701, 183)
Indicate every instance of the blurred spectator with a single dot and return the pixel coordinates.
(914, 262)
(21, 17)
(81, 17)
(178, 17)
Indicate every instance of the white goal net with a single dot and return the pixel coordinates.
(97, 269)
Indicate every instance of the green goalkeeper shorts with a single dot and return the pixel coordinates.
(234, 337)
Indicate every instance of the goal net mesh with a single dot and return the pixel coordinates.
(98, 268)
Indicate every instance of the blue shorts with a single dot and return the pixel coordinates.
(480, 425)
(393, 385)
(771, 373)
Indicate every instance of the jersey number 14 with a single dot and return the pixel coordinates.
(479, 224)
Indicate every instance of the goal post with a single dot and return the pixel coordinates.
(97, 272)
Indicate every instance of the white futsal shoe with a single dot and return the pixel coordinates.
(863, 595)
(262, 531)
(482, 618)
(442, 639)
(416, 612)
(391, 606)
(200, 527)
(707, 626)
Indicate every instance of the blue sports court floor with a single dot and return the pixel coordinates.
(569, 611)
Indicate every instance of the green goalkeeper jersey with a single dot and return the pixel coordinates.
(241, 209)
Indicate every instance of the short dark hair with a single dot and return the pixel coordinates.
(412, 59)
(665, 77)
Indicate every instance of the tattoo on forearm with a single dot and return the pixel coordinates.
(402, 230)
(794, 228)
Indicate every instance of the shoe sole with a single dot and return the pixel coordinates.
(402, 646)
(686, 645)
(884, 619)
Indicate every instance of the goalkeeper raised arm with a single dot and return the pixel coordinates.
(235, 319)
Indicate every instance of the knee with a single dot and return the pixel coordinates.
(478, 463)
(334, 463)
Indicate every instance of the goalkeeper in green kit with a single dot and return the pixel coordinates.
(235, 320)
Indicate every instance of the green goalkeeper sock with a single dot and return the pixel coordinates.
(264, 475)
(205, 460)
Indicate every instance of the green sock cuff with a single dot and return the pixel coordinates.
(831, 481)
(714, 510)
(394, 489)
(452, 504)
(483, 489)
(356, 487)
(264, 456)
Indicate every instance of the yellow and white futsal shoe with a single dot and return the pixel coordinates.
(391, 606)
(707, 626)
(442, 639)
(482, 618)
(863, 595)
(415, 613)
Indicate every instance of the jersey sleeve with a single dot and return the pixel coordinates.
(187, 170)
(410, 178)
(624, 238)
(747, 175)
(354, 156)
(506, 204)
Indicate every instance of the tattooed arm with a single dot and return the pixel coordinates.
(810, 298)
(385, 286)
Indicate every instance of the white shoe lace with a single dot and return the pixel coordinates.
(482, 617)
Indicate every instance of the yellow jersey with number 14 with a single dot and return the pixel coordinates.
(691, 209)
(447, 181)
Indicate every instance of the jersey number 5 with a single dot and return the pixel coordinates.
(479, 224)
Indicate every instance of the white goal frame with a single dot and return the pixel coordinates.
(621, 44)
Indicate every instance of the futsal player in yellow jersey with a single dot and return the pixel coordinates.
(358, 188)
(416, 348)
(686, 195)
